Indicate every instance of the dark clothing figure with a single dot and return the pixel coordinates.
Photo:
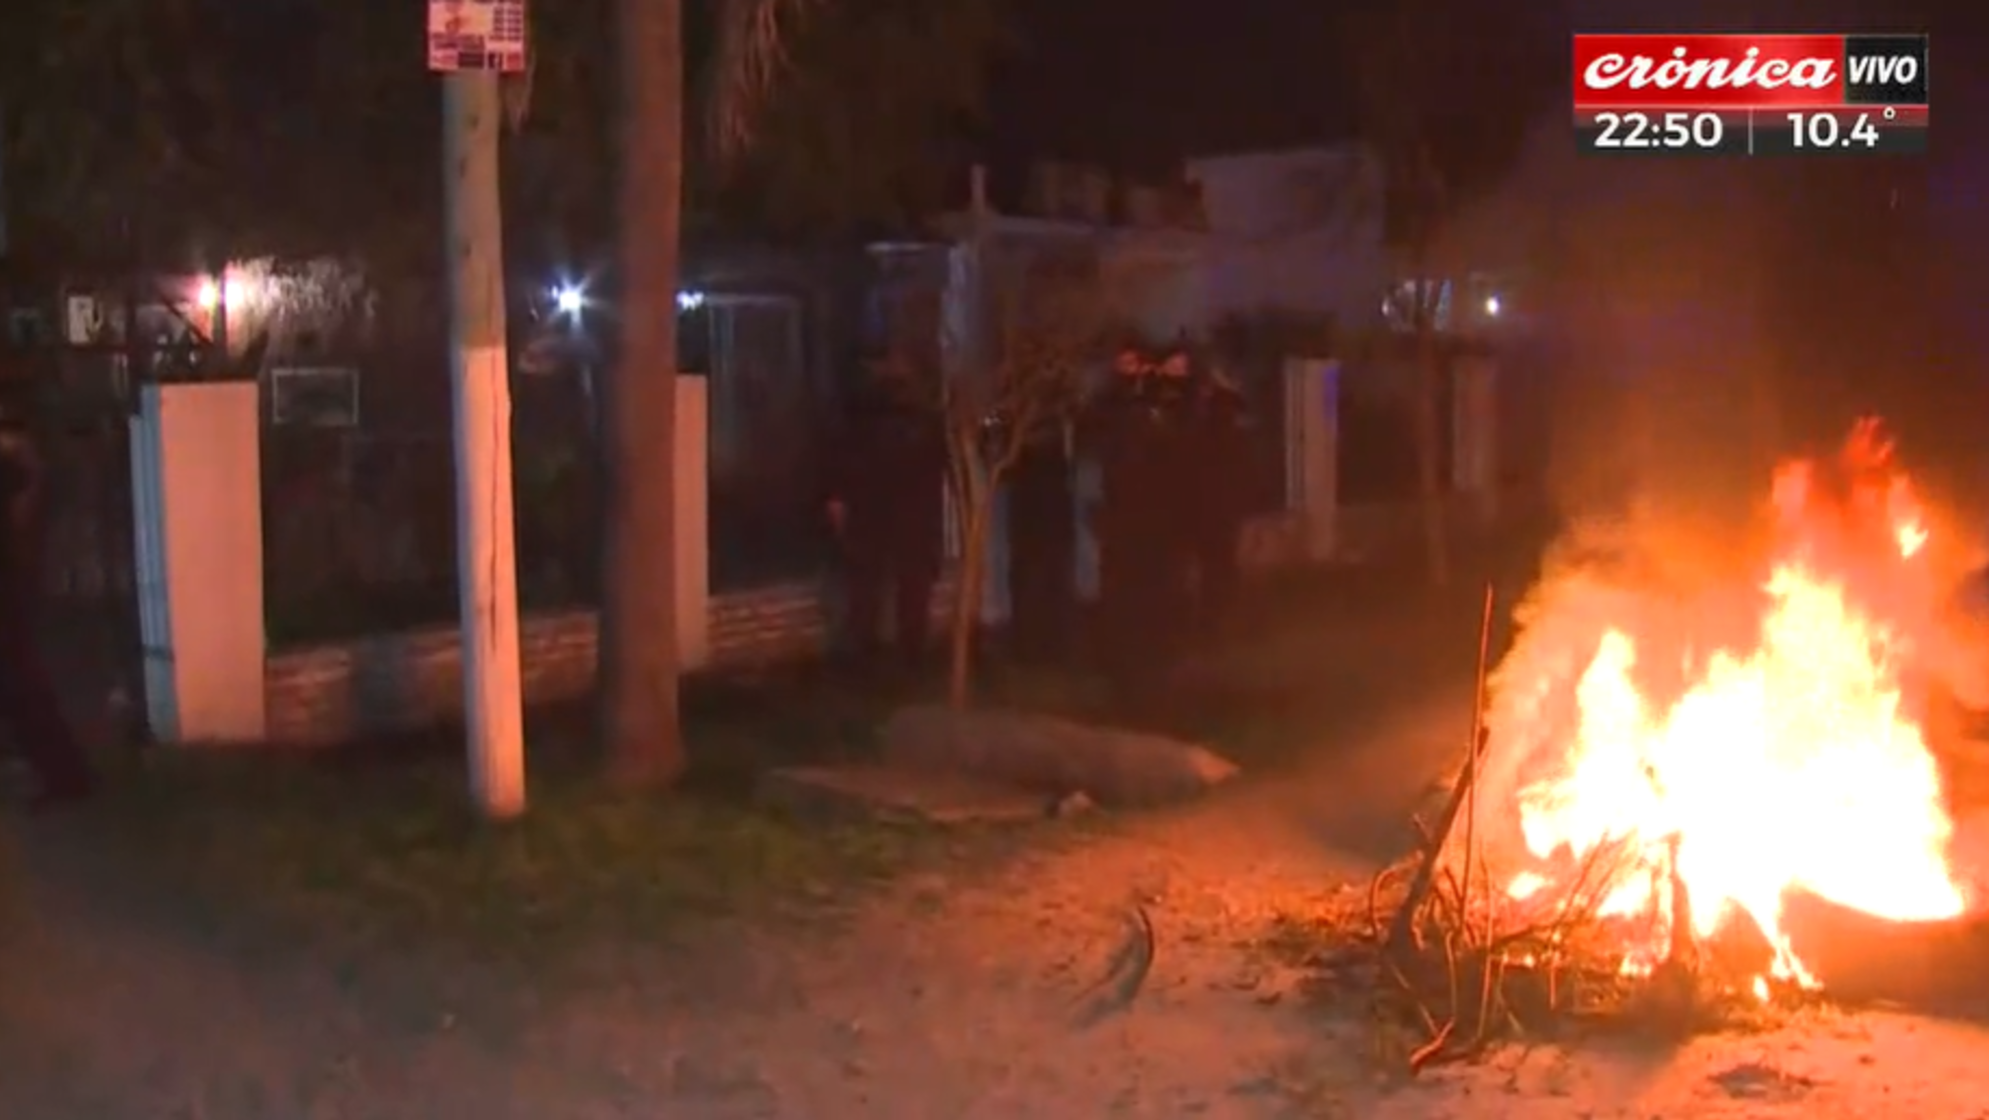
(28, 704)
(1216, 502)
(887, 503)
(1140, 438)
(1042, 550)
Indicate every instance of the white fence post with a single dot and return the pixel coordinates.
(196, 474)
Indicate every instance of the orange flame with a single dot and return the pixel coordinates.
(1792, 762)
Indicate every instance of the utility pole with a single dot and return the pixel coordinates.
(486, 558)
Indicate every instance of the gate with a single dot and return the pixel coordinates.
(88, 571)
(72, 341)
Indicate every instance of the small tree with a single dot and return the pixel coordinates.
(1047, 329)
(1399, 130)
(1411, 61)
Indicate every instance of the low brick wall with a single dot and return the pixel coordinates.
(394, 682)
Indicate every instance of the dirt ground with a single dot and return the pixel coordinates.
(958, 995)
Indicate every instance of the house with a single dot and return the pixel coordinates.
(1297, 246)
(1296, 233)
(1146, 241)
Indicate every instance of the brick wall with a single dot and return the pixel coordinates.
(394, 682)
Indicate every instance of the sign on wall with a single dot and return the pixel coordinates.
(476, 35)
(314, 396)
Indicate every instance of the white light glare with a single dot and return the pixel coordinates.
(571, 299)
(1492, 306)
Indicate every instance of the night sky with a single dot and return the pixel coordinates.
(1140, 84)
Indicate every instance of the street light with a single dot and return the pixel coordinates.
(238, 290)
(570, 300)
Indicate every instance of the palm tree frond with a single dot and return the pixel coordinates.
(751, 58)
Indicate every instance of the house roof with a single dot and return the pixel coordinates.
(959, 224)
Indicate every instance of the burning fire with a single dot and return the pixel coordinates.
(1786, 759)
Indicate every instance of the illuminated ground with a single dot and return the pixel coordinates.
(950, 996)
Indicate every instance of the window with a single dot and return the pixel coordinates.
(314, 396)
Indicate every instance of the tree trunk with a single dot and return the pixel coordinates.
(1430, 431)
(967, 601)
(638, 660)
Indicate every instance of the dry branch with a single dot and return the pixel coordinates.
(1402, 933)
(1463, 967)
(1125, 975)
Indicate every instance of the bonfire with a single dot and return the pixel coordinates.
(1660, 769)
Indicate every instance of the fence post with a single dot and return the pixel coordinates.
(196, 481)
(1475, 432)
(1312, 453)
(693, 537)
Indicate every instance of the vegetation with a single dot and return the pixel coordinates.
(273, 844)
(170, 129)
(1051, 323)
(1433, 160)
(864, 126)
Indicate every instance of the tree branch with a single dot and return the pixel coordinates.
(752, 56)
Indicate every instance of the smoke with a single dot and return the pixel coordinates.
(1648, 279)
(1701, 321)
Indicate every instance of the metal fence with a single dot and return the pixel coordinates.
(359, 523)
(358, 532)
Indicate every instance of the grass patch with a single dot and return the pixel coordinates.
(377, 845)
(377, 855)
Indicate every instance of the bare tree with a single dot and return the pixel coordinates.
(1398, 128)
(1048, 325)
(1052, 326)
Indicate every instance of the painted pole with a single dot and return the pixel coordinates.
(486, 559)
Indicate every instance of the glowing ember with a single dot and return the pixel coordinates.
(1789, 759)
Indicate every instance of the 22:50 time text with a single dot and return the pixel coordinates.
(1672, 130)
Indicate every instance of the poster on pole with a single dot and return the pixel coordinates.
(476, 35)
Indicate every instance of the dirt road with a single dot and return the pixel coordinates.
(959, 995)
